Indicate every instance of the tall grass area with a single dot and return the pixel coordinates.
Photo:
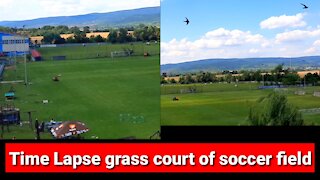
(95, 91)
(98, 51)
(225, 104)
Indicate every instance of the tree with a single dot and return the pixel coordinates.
(163, 80)
(47, 28)
(86, 29)
(257, 76)
(6, 29)
(246, 76)
(182, 80)
(205, 77)
(98, 39)
(189, 79)
(290, 79)
(173, 81)
(70, 40)
(228, 78)
(122, 38)
(274, 110)
(59, 40)
(311, 78)
(147, 33)
(75, 30)
(277, 73)
(80, 37)
(52, 38)
(61, 29)
(113, 36)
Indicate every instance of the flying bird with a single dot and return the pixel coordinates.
(187, 21)
(304, 6)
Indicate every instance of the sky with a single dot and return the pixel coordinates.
(31, 9)
(238, 29)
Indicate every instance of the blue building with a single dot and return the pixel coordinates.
(12, 44)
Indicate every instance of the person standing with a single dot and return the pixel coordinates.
(36, 124)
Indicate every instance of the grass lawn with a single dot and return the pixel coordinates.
(98, 92)
(224, 104)
(98, 51)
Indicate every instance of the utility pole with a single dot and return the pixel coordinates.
(25, 60)
(15, 56)
(25, 69)
(263, 76)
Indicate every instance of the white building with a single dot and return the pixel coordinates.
(13, 44)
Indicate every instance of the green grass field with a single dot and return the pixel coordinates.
(224, 104)
(98, 51)
(115, 98)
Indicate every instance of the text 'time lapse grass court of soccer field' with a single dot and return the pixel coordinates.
(240, 63)
(71, 76)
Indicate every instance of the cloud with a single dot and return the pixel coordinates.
(311, 50)
(224, 43)
(317, 43)
(283, 21)
(223, 37)
(6, 3)
(217, 43)
(297, 35)
(253, 51)
(31, 9)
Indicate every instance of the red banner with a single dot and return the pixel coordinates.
(160, 157)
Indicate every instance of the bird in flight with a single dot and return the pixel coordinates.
(187, 21)
(304, 6)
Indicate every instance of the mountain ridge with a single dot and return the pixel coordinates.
(215, 65)
(147, 15)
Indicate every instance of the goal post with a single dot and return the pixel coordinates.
(120, 54)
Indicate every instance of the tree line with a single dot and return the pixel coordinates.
(277, 76)
(51, 34)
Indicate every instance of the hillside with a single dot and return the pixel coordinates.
(239, 64)
(150, 15)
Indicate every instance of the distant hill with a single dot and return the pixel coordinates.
(150, 15)
(214, 65)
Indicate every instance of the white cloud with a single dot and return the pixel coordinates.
(283, 21)
(217, 43)
(6, 3)
(311, 50)
(222, 37)
(317, 43)
(297, 35)
(253, 51)
(223, 43)
(45, 8)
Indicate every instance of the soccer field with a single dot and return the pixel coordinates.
(99, 51)
(224, 104)
(115, 98)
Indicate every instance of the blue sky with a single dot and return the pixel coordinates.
(250, 28)
(31, 9)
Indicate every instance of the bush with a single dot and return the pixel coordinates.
(274, 110)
